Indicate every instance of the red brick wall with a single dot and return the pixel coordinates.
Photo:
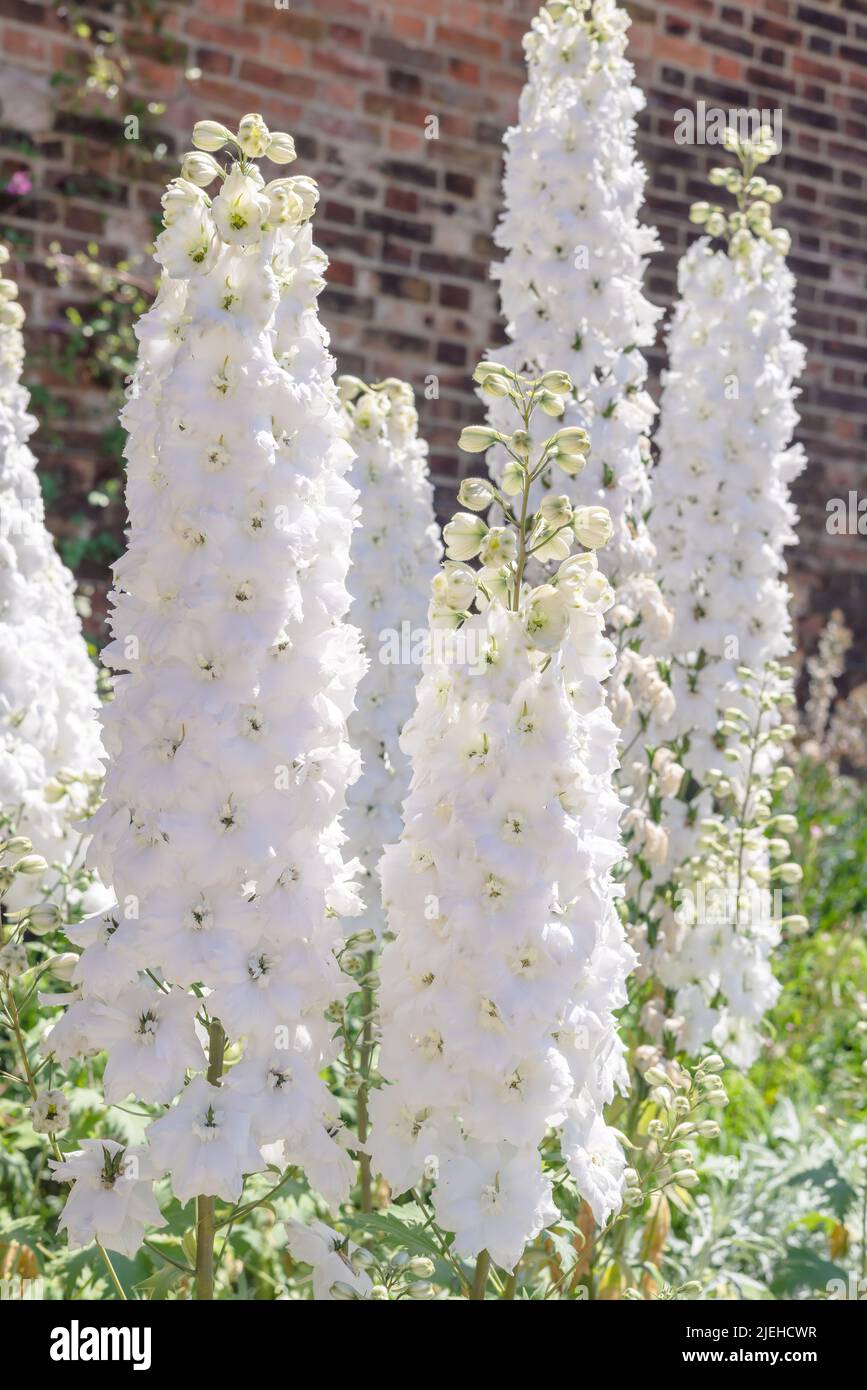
(407, 221)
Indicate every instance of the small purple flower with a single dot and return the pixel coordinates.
(20, 182)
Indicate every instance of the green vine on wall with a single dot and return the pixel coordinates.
(99, 348)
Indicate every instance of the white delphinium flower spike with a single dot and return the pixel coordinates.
(235, 675)
(571, 290)
(508, 959)
(395, 551)
(49, 737)
(725, 516)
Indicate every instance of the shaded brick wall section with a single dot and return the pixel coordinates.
(810, 62)
(407, 221)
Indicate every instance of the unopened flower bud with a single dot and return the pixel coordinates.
(790, 873)
(31, 865)
(560, 383)
(253, 135)
(343, 1293)
(571, 440)
(708, 1129)
(476, 493)
(475, 439)
(281, 148)
(19, 844)
(210, 135)
(200, 168)
(42, 918)
(592, 526)
(551, 405)
(512, 481)
(495, 386)
(487, 368)
(63, 965)
(718, 1099)
(795, 924)
(655, 1076)
(463, 536)
(556, 510)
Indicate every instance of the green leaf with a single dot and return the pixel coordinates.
(838, 1193)
(402, 1226)
(159, 1285)
(802, 1268)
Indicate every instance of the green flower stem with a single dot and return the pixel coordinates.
(365, 1063)
(238, 1212)
(205, 1227)
(118, 1286)
(480, 1278)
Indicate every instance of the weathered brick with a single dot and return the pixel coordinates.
(24, 44)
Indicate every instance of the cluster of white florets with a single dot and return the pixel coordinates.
(229, 756)
(726, 465)
(49, 736)
(716, 927)
(395, 551)
(508, 958)
(724, 514)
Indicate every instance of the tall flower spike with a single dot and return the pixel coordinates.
(571, 290)
(571, 280)
(229, 757)
(508, 956)
(725, 516)
(395, 550)
(50, 751)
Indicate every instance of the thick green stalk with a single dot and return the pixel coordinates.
(480, 1278)
(205, 1226)
(365, 1060)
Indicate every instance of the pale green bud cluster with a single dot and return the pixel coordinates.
(246, 205)
(548, 535)
(679, 1098)
(396, 1277)
(743, 797)
(252, 140)
(755, 198)
(17, 857)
